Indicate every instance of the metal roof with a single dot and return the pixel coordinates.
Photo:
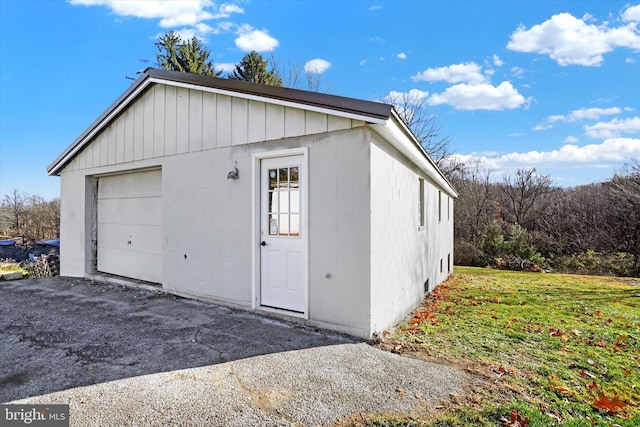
(375, 111)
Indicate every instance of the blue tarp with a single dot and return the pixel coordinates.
(52, 242)
(9, 242)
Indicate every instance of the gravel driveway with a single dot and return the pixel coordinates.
(129, 356)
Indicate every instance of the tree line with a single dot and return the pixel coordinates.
(525, 222)
(29, 216)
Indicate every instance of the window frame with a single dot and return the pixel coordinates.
(421, 205)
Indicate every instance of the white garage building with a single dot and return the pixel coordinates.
(314, 207)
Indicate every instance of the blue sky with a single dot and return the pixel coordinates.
(553, 85)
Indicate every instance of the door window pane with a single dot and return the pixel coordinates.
(283, 194)
(283, 206)
(294, 177)
(273, 199)
(273, 179)
(294, 224)
(294, 198)
(273, 225)
(283, 176)
(284, 225)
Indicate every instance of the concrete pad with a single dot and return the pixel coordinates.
(11, 276)
(122, 356)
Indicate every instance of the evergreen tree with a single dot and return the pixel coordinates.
(189, 56)
(253, 68)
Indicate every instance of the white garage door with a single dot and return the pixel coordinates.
(130, 225)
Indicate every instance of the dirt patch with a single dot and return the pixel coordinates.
(486, 382)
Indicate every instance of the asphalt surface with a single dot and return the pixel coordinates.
(130, 356)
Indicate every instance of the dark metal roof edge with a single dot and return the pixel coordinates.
(134, 86)
(375, 110)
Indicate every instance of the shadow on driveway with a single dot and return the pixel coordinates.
(60, 333)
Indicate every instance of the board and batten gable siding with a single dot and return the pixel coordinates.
(404, 254)
(168, 120)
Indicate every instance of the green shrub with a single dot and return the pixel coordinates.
(506, 246)
(595, 263)
(466, 253)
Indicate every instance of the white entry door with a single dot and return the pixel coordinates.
(282, 233)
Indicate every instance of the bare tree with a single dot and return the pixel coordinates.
(31, 216)
(294, 76)
(14, 206)
(576, 220)
(524, 196)
(413, 110)
(476, 206)
(625, 195)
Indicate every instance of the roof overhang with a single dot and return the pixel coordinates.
(398, 134)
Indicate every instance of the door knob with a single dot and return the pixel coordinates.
(263, 243)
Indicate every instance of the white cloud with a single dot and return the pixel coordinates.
(375, 7)
(542, 126)
(457, 73)
(572, 41)
(577, 115)
(629, 60)
(413, 97)
(170, 13)
(613, 128)
(226, 67)
(189, 14)
(185, 33)
(226, 10)
(591, 113)
(517, 71)
(402, 55)
(225, 25)
(251, 39)
(571, 139)
(480, 97)
(497, 61)
(632, 13)
(316, 66)
(610, 150)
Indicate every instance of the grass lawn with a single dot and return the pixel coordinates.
(548, 349)
(11, 267)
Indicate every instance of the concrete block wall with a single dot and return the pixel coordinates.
(440, 234)
(339, 231)
(208, 237)
(398, 244)
(404, 254)
(75, 230)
